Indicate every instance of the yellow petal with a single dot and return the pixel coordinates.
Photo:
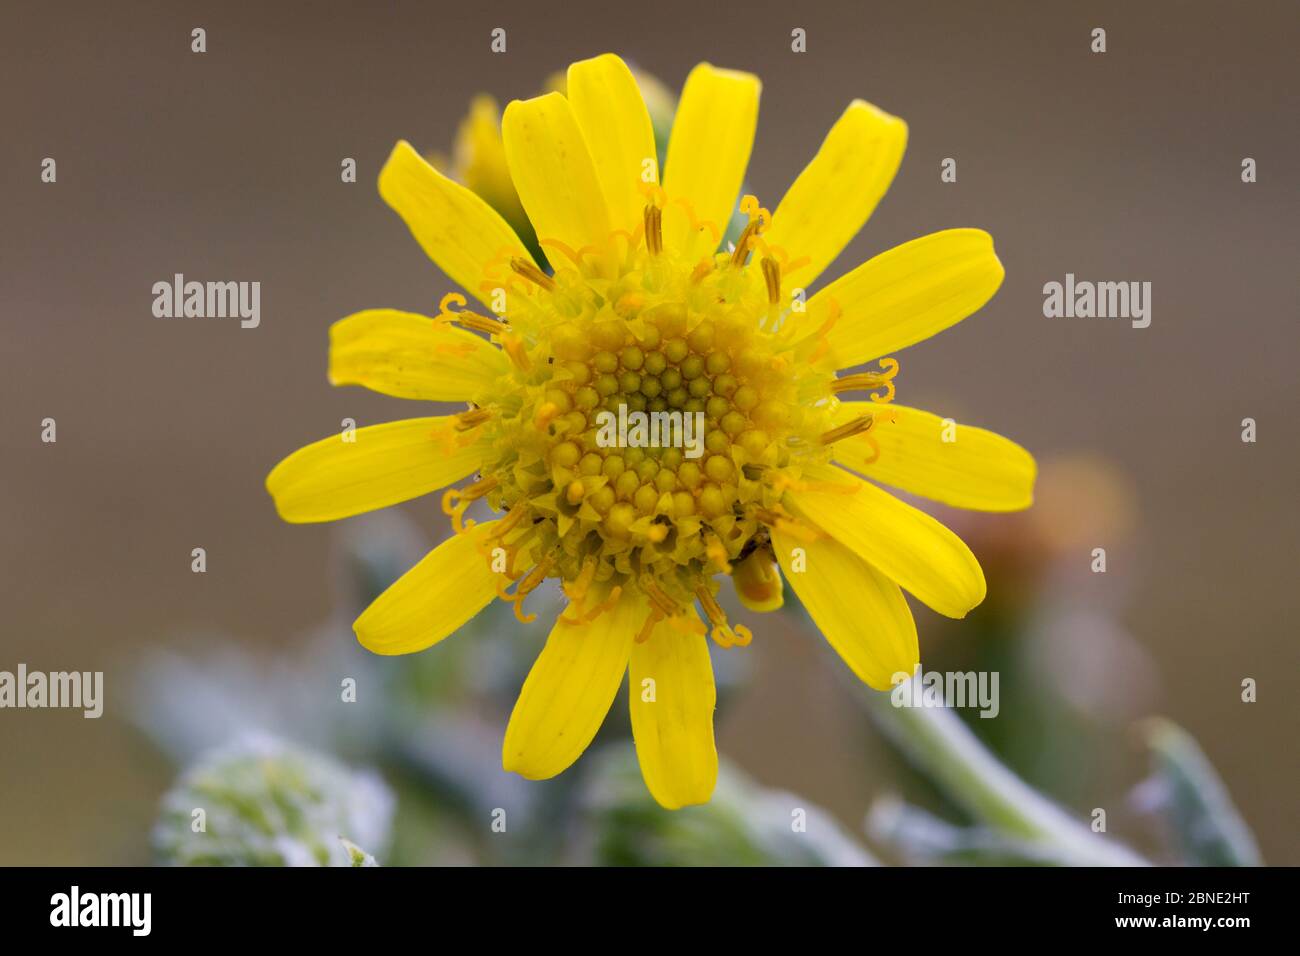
(907, 294)
(480, 163)
(757, 582)
(411, 356)
(457, 230)
(960, 465)
(906, 544)
(860, 612)
(670, 682)
(451, 584)
(836, 193)
(708, 151)
(616, 126)
(570, 688)
(554, 172)
(384, 465)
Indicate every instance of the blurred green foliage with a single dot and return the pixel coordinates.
(261, 802)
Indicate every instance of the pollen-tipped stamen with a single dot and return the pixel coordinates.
(472, 320)
(759, 219)
(525, 587)
(772, 275)
(723, 634)
(658, 597)
(654, 230)
(506, 525)
(868, 381)
(857, 426)
(743, 245)
(822, 334)
(515, 348)
(875, 449)
(472, 419)
(716, 553)
(577, 591)
(603, 607)
(456, 500)
(779, 519)
(516, 547)
(653, 618)
(533, 274)
(546, 413)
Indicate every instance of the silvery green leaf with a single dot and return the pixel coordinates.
(743, 825)
(1190, 796)
(922, 838)
(263, 802)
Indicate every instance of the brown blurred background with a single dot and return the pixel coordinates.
(225, 165)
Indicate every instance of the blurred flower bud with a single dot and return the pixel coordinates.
(743, 825)
(263, 802)
(479, 162)
(478, 157)
(1080, 503)
(661, 103)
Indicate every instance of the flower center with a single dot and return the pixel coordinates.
(726, 399)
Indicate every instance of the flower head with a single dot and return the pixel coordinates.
(259, 801)
(642, 314)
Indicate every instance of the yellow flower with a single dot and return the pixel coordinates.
(643, 315)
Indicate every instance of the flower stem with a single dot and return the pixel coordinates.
(952, 756)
